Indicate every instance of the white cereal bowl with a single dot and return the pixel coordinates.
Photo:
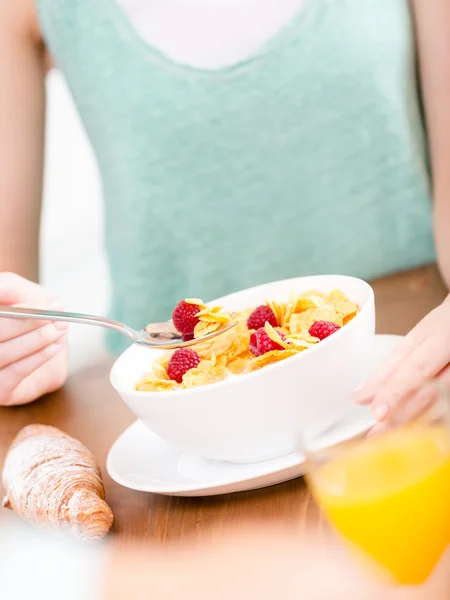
(264, 414)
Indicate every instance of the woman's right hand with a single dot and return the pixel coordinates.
(33, 354)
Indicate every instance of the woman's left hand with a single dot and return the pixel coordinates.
(423, 354)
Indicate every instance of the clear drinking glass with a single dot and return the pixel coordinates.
(387, 492)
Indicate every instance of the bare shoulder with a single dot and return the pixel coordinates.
(19, 21)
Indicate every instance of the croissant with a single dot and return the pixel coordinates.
(51, 479)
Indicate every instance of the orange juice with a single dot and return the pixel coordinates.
(391, 497)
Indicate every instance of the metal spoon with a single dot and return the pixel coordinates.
(155, 335)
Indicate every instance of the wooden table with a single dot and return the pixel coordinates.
(89, 409)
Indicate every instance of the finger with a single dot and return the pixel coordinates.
(425, 362)
(47, 378)
(377, 429)
(21, 382)
(415, 338)
(366, 393)
(29, 343)
(15, 289)
(414, 405)
(12, 328)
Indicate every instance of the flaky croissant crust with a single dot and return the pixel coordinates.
(51, 479)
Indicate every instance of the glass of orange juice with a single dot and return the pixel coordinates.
(388, 492)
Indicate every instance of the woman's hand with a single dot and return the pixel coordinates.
(423, 354)
(33, 357)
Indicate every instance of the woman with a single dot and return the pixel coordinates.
(238, 142)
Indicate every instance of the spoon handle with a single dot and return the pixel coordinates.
(12, 312)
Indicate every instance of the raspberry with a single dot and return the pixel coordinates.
(187, 337)
(181, 362)
(260, 316)
(184, 319)
(260, 342)
(322, 329)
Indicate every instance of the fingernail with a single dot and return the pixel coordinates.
(380, 411)
(361, 395)
(357, 391)
(60, 325)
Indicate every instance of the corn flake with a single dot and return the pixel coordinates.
(346, 309)
(204, 328)
(239, 365)
(196, 301)
(275, 336)
(207, 372)
(211, 319)
(302, 321)
(278, 310)
(270, 358)
(152, 384)
(303, 336)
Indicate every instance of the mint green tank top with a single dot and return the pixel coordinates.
(308, 157)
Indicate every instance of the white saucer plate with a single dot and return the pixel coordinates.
(142, 461)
